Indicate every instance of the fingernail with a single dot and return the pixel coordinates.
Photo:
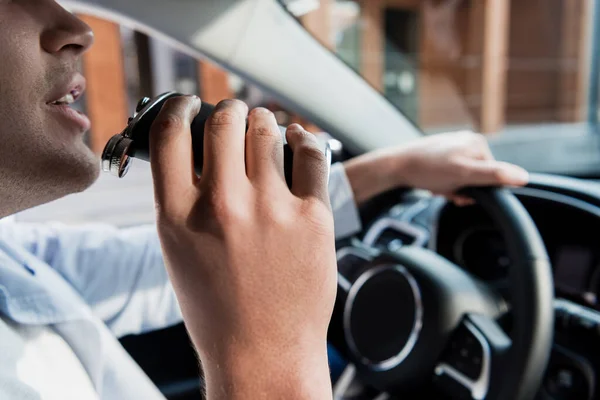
(295, 128)
(260, 110)
(196, 102)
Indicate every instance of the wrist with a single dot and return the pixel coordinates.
(299, 372)
(376, 172)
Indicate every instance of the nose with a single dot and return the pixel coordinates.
(68, 35)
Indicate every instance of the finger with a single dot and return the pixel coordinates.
(460, 201)
(224, 143)
(264, 147)
(310, 167)
(486, 151)
(493, 173)
(484, 147)
(171, 149)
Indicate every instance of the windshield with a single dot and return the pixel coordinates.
(488, 66)
(524, 67)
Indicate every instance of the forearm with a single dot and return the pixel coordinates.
(376, 172)
(249, 375)
(441, 164)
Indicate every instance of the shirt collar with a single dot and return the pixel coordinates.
(41, 297)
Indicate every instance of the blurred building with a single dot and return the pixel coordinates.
(477, 64)
(447, 64)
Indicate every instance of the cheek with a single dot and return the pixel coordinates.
(22, 65)
(19, 117)
(21, 92)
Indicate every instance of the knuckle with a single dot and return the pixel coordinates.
(168, 122)
(318, 216)
(232, 104)
(275, 215)
(223, 208)
(304, 136)
(176, 102)
(223, 117)
(313, 206)
(167, 218)
(497, 174)
(227, 214)
(462, 170)
(311, 152)
(297, 133)
(264, 132)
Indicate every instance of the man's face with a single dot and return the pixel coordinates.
(42, 153)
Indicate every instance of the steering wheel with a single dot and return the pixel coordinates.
(409, 318)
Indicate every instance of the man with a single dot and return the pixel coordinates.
(252, 262)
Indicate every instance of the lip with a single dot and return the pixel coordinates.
(76, 87)
(73, 116)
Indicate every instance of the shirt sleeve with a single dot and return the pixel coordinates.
(345, 212)
(120, 273)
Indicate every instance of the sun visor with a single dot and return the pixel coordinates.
(211, 28)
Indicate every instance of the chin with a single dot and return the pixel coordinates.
(30, 185)
(88, 176)
(84, 173)
(73, 171)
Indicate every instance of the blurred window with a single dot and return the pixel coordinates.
(485, 65)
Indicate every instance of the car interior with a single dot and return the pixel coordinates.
(495, 300)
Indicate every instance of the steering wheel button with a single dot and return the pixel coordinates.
(350, 265)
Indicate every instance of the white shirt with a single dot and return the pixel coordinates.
(41, 364)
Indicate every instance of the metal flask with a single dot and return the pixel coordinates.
(134, 141)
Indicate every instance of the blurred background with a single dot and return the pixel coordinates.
(498, 67)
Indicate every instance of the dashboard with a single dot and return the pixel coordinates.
(567, 214)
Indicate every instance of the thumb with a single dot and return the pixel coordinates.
(493, 173)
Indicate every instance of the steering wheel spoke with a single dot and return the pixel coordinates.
(476, 349)
(352, 262)
(350, 386)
